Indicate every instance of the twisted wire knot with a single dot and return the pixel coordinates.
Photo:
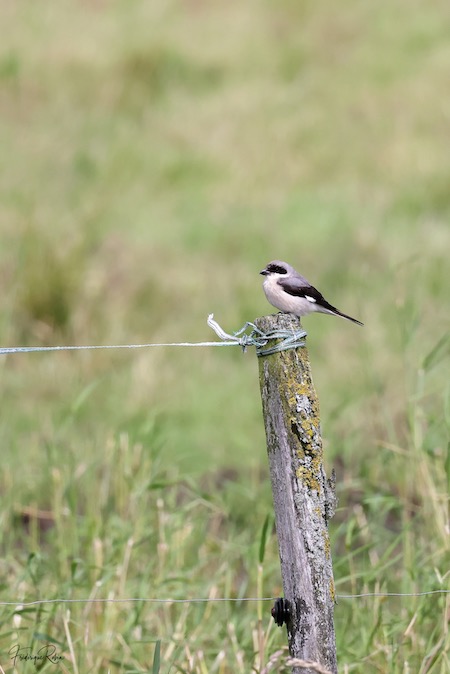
(289, 339)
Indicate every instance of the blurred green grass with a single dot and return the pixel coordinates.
(154, 156)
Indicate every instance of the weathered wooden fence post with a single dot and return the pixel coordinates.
(303, 497)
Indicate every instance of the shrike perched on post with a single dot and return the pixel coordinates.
(290, 292)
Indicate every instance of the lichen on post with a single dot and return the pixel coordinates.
(303, 498)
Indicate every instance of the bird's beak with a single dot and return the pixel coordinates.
(264, 272)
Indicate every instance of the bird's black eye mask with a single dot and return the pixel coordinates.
(276, 269)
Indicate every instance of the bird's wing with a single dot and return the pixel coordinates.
(298, 288)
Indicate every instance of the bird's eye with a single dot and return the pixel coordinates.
(276, 269)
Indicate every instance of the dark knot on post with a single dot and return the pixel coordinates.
(281, 611)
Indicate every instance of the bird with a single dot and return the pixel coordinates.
(290, 292)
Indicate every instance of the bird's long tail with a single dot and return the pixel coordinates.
(348, 318)
(335, 312)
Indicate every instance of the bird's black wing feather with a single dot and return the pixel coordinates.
(297, 288)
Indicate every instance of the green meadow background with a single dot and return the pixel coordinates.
(154, 157)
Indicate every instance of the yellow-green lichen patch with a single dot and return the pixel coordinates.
(332, 590)
(308, 478)
(295, 390)
(309, 426)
